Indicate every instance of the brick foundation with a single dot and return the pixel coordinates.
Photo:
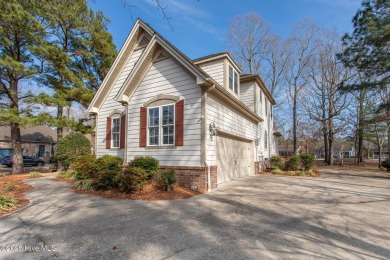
(194, 176)
(260, 167)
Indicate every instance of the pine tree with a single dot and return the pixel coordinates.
(21, 38)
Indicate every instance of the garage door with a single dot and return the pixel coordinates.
(233, 158)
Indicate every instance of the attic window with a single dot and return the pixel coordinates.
(233, 80)
(143, 41)
(160, 56)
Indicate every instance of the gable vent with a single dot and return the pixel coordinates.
(161, 56)
(143, 41)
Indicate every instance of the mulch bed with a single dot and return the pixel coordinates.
(151, 191)
(17, 194)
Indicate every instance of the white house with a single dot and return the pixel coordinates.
(201, 117)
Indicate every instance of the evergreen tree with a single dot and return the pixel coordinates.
(367, 49)
(21, 38)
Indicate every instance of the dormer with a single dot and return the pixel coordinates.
(223, 70)
(256, 95)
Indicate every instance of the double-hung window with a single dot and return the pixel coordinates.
(233, 80)
(161, 125)
(115, 132)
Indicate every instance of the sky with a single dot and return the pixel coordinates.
(200, 26)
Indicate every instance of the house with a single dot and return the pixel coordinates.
(202, 117)
(344, 149)
(37, 141)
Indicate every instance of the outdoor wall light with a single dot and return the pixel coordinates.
(213, 130)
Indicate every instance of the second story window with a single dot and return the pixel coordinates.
(233, 80)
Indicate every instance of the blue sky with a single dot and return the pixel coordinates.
(200, 26)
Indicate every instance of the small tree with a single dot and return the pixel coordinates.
(307, 161)
(276, 162)
(70, 147)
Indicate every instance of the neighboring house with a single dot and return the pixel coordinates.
(344, 149)
(189, 114)
(374, 153)
(37, 141)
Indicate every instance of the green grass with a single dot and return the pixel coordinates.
(85, 185)
(64, 175)
(34, 174)
(6, 202)
(10, 187)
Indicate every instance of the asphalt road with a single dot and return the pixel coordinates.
(336, 216)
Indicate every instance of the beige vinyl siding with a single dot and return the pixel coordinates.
(169, 78)
(109, 105)
(215, 69)
(267, 124)
(227, 120)
(247, 95)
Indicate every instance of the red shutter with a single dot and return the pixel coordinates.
(122, 135)
(142, 126)
(108, 133)
(179, 123)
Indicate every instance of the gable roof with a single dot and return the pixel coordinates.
(260, 82)
(157, 43)
(39, 134)
(217, 56)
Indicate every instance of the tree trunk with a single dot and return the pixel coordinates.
(360, 128)
(16, 139)
(295, 123)
(331, 141)
(326, 143)
(60, 132)
(17, 157)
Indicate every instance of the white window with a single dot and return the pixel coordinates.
(233, 80)
(161, 125)
(115, 132)
(265, 140)
(266, 107)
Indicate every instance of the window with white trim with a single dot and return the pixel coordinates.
(233, 80)
(265, 140)
(115, 132)
(161, 125)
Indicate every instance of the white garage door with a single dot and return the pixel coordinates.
(233, 158)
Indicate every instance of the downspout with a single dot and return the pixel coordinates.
(126, 134)
(204, 133)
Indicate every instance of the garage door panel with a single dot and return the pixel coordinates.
(233, 158)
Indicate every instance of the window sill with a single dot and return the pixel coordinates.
(161, 147)
(115, 149)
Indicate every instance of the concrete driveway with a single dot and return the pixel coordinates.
(336, 216)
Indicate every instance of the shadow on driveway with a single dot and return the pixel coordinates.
(261, 216)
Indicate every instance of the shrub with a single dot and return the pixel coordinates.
(7, 202)
(278, 171)
(10, 187)
(307, 161)
(167, 179)
(276, 162)
(64, 175)
(149, 164)
(84, 166)
(386, 164)
(108, 162)
(294, 163)
(106, 180)
(85, 185)
(132, 178)
(70, 147)
(34, 174)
